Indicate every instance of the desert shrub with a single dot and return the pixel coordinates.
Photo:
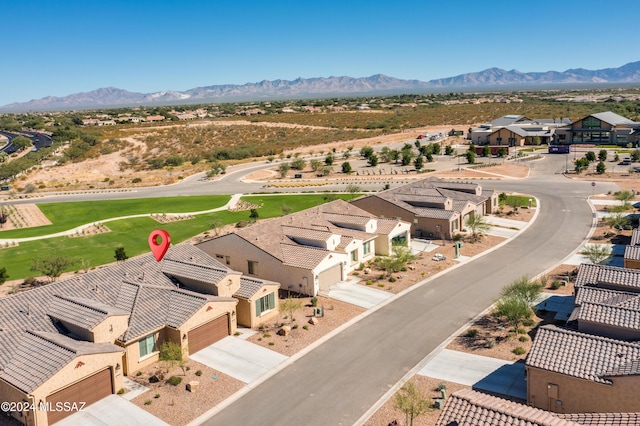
(174, 380)
(523, 338)
(199, 373)
(314, 301)
(472, 332)
(136, 180)
(154, 379)
(266, 335)
(392, 280)
(521, 330)
(490, 344)
(369, 282)
(156, 396)
(528, 322)
(306, 327)
(242, 224)
(139, 373)
(519, 350)
(271, 343)
(120, 391)
(556, 285)
(148, 402)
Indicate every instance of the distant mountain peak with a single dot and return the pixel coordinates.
(328, 86)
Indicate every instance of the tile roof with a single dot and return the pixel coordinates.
(580, 355)
(615, 316)
(416, 197)
(611, 277)
(80, 311)
(388, 226)
(249, 286)
(632, 252)
(635, 237)
(39, 355)
(137, 287)
(196, 272)
(603, 419)
(471, 408)
(602, 295)
(275, 236)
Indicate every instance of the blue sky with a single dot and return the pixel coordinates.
(56, 48)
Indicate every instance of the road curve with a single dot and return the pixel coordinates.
(338, 381)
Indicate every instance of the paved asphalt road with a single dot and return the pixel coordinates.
(336, 383)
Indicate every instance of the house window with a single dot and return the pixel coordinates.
(227, 260)
(219, 256)
(147, 345)
(400, 240)
(366, 248)
(252, 267)
(591, 123)
(265, 303)
(354, 256)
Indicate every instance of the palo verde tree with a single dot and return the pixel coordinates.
(411, 402)
(289, 306)
(52, 266)
(596, 253)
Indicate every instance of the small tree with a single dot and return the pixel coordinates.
(172, 354)
(4, 217)
(419, 163)
(315, 165)
(486, 151)
(591, 156)
(617, 221)
(328, 160)
(52, 266)
(120, 254)
(283, 169)
(346, 168)
(215, 225)
(373, 160)
(448, 150)
(602, 155)
(478, 226)
(353, 189)
(411, 402)
(513, 309)
(406, 156)
(502, 152)
(471, 157)
(596, 253)
(366, 152)
(289, 306)
(3, 275)
(254, 215)
(298, 164)
(601, 168)
(523, 289)
(624, 197)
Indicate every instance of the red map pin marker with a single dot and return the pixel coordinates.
(159, 248)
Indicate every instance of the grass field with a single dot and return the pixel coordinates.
(132, 233)
(519, 200)
(64, 216)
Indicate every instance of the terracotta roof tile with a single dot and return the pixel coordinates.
(578, 354)
(249, 286)
(470, 408)
(610, 315)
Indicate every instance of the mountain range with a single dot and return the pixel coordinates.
(300, 88)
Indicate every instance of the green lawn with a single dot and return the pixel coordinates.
(519, 200)
(132, 234)
(64, 216)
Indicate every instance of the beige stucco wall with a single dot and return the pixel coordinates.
(247, 308)
(208, 313)
(132, 353)
(74, 372)
(109, 330)
(583, 396)
(505, 134)
(8, 393)
(383, 208)
(225, 288)
(269, 268)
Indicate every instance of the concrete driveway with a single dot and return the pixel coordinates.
(239, 359)
(358, 295)
(112, 411)
(481, 372)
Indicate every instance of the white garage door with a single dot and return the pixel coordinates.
(330, 276)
